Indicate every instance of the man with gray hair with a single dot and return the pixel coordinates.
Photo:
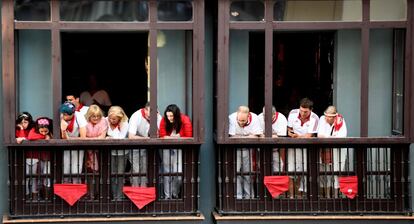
(279, 129)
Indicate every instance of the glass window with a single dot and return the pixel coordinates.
(32, 10)
(398, 83)
(318, 10)
(175, 10)
(381, 10)
(175, 70)
(34, 85)
(247, 10)
(381, 69)
(109, 10)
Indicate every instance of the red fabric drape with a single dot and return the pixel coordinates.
(276, 185)
(140, 196)
(71, 193)
(349, 186)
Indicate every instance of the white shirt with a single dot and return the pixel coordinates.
(327, 130)
(101, 96)
(84, 110)
(119, 132)
(252, 127)
(309, 127)
(279, 127)
(140, 126)
(80, 122)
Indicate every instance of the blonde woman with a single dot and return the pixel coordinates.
(95, 129)
(117, 129)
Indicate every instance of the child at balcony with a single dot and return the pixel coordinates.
(117, 129)
(96, 128)
(24, 123)
(173, 125)
(42, 131)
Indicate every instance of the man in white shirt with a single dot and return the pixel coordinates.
(302, 123)
(72, 126)
(279, 129)
(332, 125)
(139, 126)
(245, 124)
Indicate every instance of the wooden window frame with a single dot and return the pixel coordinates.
(55, 26)
(269, 26)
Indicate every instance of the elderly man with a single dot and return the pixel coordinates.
(245, 124)
(279, 129)
(332, 125)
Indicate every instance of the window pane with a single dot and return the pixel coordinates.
(175, 52)
(247, 10)
(34, 85)
(318, 10)
(90, 10)
(381, 10)
(347, 79)
(32, 10)
(398, 83)
(381, 57)
(175, 10)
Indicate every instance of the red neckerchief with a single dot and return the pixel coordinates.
(249, 120)
(143, 115)
(71, 124)
(306, 119)
(80, 107)
(275, 119)
(338, 122)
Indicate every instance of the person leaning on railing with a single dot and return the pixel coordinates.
(331, 125)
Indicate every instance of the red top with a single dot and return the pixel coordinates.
(22, 133)
(185, 131)
(37, 154)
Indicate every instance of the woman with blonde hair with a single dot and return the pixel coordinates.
(117, 129)
(95, 129)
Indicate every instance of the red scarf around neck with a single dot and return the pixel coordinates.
(338, 122)
(71, 124)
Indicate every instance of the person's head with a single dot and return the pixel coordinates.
(73, 99)
(24, 120)
(94, 114)
(305, 108)
(67, 110)
(172, 116)
(44, 126)
(273, 111)
(330, 114)
(147, 111)
(242, 116)
(116, 115)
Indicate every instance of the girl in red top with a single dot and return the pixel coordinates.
(41, 131)
(173, 125)
(24, 123)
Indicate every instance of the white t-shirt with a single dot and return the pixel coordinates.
(279, 126)
(119, 132)
(252, 128)
(140, 126)
(101, 96)
(310, 126)
(327, 130)
(84, 110)
(80, 121)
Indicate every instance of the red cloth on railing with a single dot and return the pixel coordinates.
(349, 186)
(140, 196)
(276, 185)
(71, 193)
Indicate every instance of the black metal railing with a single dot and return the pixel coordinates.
(312, 178)
(105, 170)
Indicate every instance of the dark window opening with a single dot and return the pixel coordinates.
(117, 60)
(302, 67)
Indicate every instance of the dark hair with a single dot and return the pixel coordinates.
(44, 122)
(25, 116)
(306, 103)
(71, 93)
(177, 118)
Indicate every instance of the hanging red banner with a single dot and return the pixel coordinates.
(71, 193)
